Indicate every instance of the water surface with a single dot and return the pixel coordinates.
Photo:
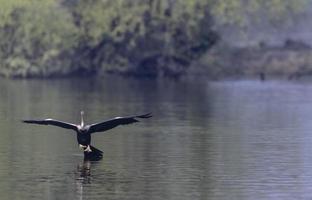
(207, 140)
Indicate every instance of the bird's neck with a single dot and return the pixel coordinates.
(82, 122)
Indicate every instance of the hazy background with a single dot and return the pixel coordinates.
(260, 29)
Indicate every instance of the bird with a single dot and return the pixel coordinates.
(84, 131)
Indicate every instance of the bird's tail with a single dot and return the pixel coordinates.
(94, 155)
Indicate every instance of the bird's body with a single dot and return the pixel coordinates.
(84, 131)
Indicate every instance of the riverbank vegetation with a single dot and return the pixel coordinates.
(292, 60)
(153, 38)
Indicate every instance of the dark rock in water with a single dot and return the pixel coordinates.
(94, 155)
(262, 76)
(296, 44)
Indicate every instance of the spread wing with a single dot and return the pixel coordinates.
(112, 123)
(52, 122)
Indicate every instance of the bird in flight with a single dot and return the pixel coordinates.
(84, 131)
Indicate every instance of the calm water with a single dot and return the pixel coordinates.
(225, 141)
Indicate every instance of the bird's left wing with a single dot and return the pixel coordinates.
(109, 124)
(52, 122)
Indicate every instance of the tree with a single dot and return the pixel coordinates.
(35, 36)
(137, 37)
(146, 38)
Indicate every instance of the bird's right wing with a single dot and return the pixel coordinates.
(52, 122)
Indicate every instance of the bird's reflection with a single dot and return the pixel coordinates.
(84, 171)
(83, 176)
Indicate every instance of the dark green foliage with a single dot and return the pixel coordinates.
(35, 40)
(141, 38)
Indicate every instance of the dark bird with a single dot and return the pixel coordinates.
(84, 131)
